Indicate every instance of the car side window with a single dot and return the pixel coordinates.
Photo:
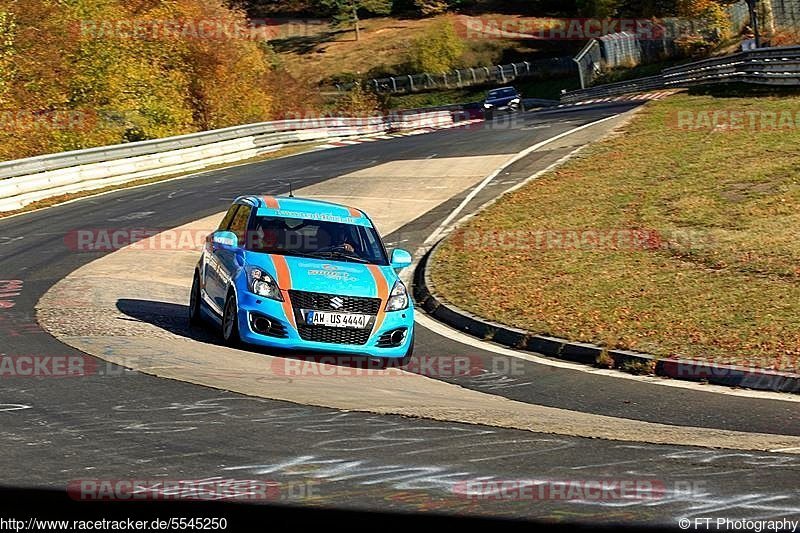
(226, 222)
(239, 223)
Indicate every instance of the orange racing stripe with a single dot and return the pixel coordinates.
(285, 283)
(271, 202)
(383, 293)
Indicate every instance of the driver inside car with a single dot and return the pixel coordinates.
(338, 239)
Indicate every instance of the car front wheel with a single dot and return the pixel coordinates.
(230, 321)
(195, 316)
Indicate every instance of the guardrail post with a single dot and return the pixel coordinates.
(474, 79)
(502, 74)
(411, 83)
(458, 73)
(580, 73)
(514, 66)
(444, 78)
(394, 84)
(527, 67)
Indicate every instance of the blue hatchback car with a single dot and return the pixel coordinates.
(294, 273)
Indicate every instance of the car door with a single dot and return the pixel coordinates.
(210, 267)
(229, 259)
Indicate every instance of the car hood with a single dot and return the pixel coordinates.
(500, 101)
(331, 277)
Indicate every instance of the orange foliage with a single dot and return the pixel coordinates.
(76, 74)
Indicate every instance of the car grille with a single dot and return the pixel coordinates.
(322, 302)
(333, 335)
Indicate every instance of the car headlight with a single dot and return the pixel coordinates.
(487, 106)
(398, 298)
(514, 101)
(262, 284)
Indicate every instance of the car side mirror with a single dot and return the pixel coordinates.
(225, 239)
(400, 258)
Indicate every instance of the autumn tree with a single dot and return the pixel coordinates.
(70, 56)
(438, 49)
(598, 8)
(710, 12)
(345, 12)
(436, 7)
(357, 102)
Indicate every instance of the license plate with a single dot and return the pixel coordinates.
(337, 320)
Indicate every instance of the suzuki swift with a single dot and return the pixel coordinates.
(294, 273)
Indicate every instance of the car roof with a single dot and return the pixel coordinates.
(294, 207)
(502, 89)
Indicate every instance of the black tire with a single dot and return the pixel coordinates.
(230, 321)
(195, 314)
(488, 115)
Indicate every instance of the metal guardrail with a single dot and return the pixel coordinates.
(104, 153)
(765, 66)
(27, 180)
(467, 77)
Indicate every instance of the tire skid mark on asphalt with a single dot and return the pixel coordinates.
(102, 329)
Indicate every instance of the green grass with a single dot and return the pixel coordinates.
(724, 282)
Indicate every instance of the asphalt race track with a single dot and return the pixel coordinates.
(118, 424)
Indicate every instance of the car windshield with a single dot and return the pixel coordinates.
(502, 93)
(316, 238)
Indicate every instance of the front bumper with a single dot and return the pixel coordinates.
(504, 107)
(251, 304)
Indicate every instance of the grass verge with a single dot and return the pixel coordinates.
(703, 261)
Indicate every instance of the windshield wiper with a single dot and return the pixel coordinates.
(335, 253)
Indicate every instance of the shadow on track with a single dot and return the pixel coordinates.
(174, 318)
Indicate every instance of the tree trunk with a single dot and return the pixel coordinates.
(751, 4)
(767, 18)
(355, 21)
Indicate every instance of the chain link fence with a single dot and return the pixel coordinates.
(467, 77)
(628, 49)
(778, 66)
(776, 15)
(786, 13)
(739, 15)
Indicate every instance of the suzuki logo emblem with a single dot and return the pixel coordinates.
(337, 302)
